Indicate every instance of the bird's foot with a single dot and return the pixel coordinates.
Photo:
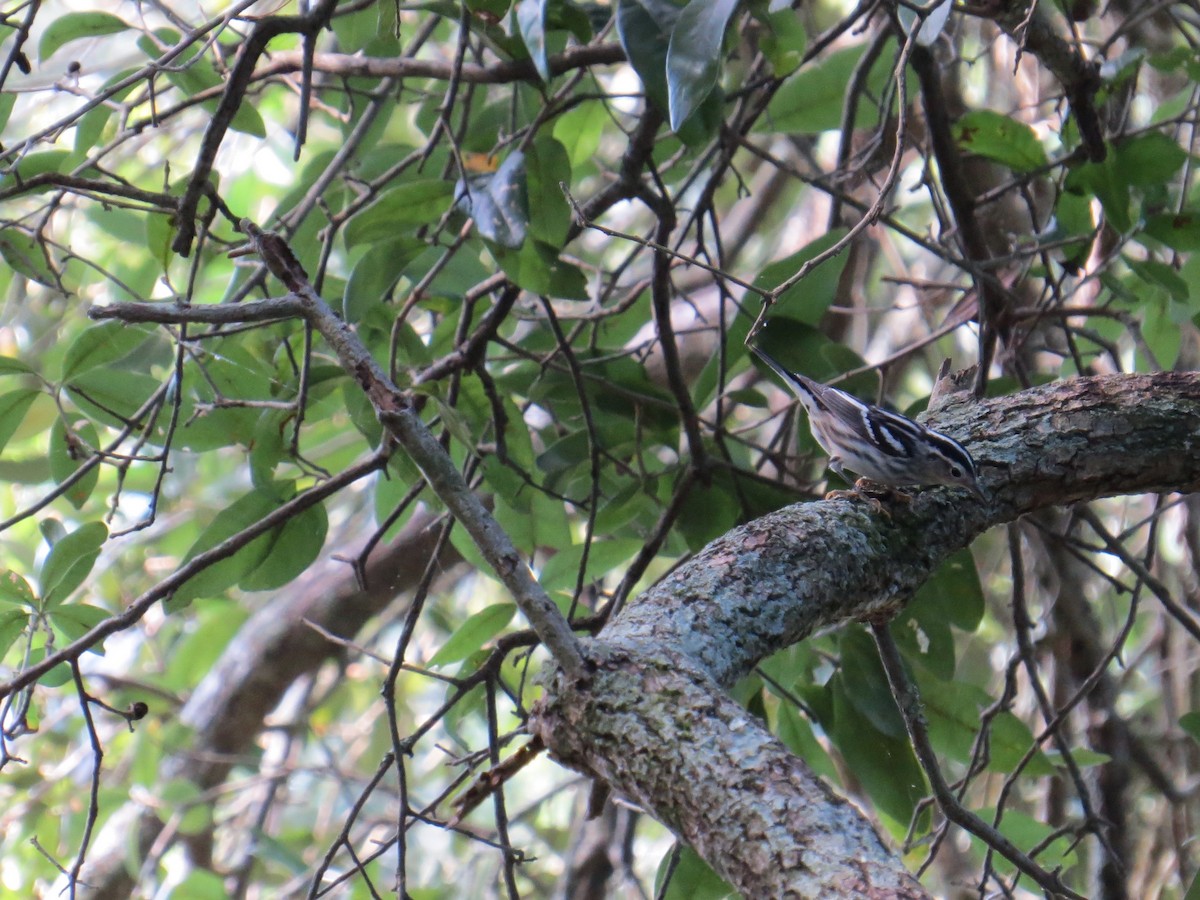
(873, 493)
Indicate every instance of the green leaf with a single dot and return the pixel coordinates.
(219, 577)
(7, 100)
(562, 570)
(74, 620)
(374, 276)
(194, 74)
(1160, 275)
(497, 202)
(294, 547)
(537, 269)
(474, 633)
(401, 209)
(691, 879)
(954, 594)
(200, 884)
(1148, 160)
(1010, 741)
(181, 796)
(12, 624)
(866, 684)
(952, 712)
(15, 589)
(797, 734)
(694, 56)
(68, 453)
(13, 407)
(811, 101)
(783, 40)
(113, 400)
(35, 164)
(11, 366)
(100, 345)
(884, 765)
(74, 26)
(1102, 181)
(925, 639)
(807, 300)
(70, 561)
(531, 20)
(1056, 849)
(27, 256)
(644, 28)
(1000, 138)
(1179, 231)
(579, 131)
(1190, 723)
(547, 168)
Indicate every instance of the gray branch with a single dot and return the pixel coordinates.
(397, 416)
(655, 723)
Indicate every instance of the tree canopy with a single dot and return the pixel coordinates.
(394, 505)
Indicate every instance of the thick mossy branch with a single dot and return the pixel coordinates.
(731, 790)
(777, 580)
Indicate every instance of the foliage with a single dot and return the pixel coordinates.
(554, 224)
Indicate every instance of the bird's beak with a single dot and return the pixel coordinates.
(979, 493)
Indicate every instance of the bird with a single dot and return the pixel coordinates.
(880, 446)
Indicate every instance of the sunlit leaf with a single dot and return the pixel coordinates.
(74, 620)
(70, 561)
(27, 256)
(100, 345)
(476, 631)
(15, 589)
(73, 26)
(400, 209)
(1004, 139)
(12, 623)
(13, 407)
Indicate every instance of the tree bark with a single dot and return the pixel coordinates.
(652, 720)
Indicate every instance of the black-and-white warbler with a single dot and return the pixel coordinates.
(879, 445)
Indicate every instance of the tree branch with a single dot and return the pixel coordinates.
(399, 418)
(779, 579)
(503, 72)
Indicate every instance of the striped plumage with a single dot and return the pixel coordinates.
(879, 445)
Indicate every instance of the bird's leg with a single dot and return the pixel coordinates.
(875, 489)
(872, 492)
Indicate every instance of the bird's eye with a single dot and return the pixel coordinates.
(956, 472)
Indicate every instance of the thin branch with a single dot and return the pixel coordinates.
(504, 72)
(134, 612)
(909, 703)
